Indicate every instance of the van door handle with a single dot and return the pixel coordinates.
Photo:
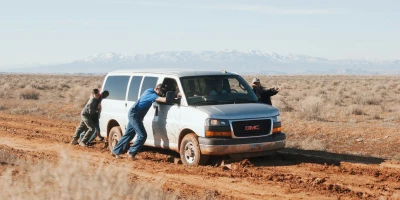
(126, 104)
(156, 113)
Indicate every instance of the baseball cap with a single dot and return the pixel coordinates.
(256, 80)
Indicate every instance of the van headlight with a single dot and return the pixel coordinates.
(217, 122)
(276, 118)
(218, 128)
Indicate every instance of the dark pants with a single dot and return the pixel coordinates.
(135, 126)
(96, 132)
(87, 125)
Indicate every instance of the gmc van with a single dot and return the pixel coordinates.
(207, 113)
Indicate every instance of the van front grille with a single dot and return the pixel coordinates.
(252, 128)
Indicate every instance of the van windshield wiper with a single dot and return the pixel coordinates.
(243, 101)
(212, 102)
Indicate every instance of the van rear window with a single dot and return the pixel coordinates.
(148, 82)
(133, 93)
(116, 85)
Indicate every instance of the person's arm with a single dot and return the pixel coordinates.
(161, 99)
(270, 92)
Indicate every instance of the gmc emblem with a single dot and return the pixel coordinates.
(252, 128)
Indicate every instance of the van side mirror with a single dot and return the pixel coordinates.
(170, 98)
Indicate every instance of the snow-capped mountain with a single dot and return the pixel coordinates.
(244, 62)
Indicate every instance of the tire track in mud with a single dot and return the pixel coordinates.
(30, 127)
(280, 178)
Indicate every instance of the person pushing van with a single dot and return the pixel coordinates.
(87, 125)
(135, 122)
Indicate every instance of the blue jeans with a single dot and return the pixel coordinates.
(135, 126)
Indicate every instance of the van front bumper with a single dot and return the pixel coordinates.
(224, 146)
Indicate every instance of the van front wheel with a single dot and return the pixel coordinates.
(114, 136)
(190, 151)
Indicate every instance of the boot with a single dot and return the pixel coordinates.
(82, 144)
(74, 142)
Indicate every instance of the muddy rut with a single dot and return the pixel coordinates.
(292, 174)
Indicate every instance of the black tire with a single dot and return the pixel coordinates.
(190, 151)
(114, 136)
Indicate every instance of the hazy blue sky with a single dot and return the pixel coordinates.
(35, 32)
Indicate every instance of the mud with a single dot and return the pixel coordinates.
(291, 174)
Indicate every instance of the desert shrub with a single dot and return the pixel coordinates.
(21, 85)
(337, 101)
(335, 83)
(379, 87)
(298, 96)
(2, 107)
(308, 143)
(63, 86)
(29, 94)
(5, 91)
(371, 101)
(78, 95)
(42, 86)
(312, 108)
(283, 106)
(377, 117)
(284, 93)
(354, 110)
(322, 92)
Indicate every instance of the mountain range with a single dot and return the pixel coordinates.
(242, 62)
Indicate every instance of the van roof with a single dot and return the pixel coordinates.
(176, 72)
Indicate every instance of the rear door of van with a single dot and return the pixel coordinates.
(166, 119)
(113, 107)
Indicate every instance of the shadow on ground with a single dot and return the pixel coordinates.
(291, 156)
(284, 157)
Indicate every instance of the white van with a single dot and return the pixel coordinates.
(217, 114)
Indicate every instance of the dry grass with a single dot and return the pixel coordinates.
(29, 94)
(25, 179)
(51, 92)
(312, 108)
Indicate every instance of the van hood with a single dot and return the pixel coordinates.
(240, 111)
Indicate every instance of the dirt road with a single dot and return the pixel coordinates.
(293, 174)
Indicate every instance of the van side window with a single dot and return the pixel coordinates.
(134, 88)
(116, 85)
(148, 82)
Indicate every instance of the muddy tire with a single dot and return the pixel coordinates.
(190, 151)
(114, 136)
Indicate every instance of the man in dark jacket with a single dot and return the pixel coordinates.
(264, 96)
(96, 117)
(88, 113)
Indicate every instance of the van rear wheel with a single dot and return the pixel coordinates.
(114, 136)
(190, 151)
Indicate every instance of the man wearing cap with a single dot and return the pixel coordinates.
(264, 96)
(135, 123)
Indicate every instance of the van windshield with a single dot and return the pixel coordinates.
(214, 90)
